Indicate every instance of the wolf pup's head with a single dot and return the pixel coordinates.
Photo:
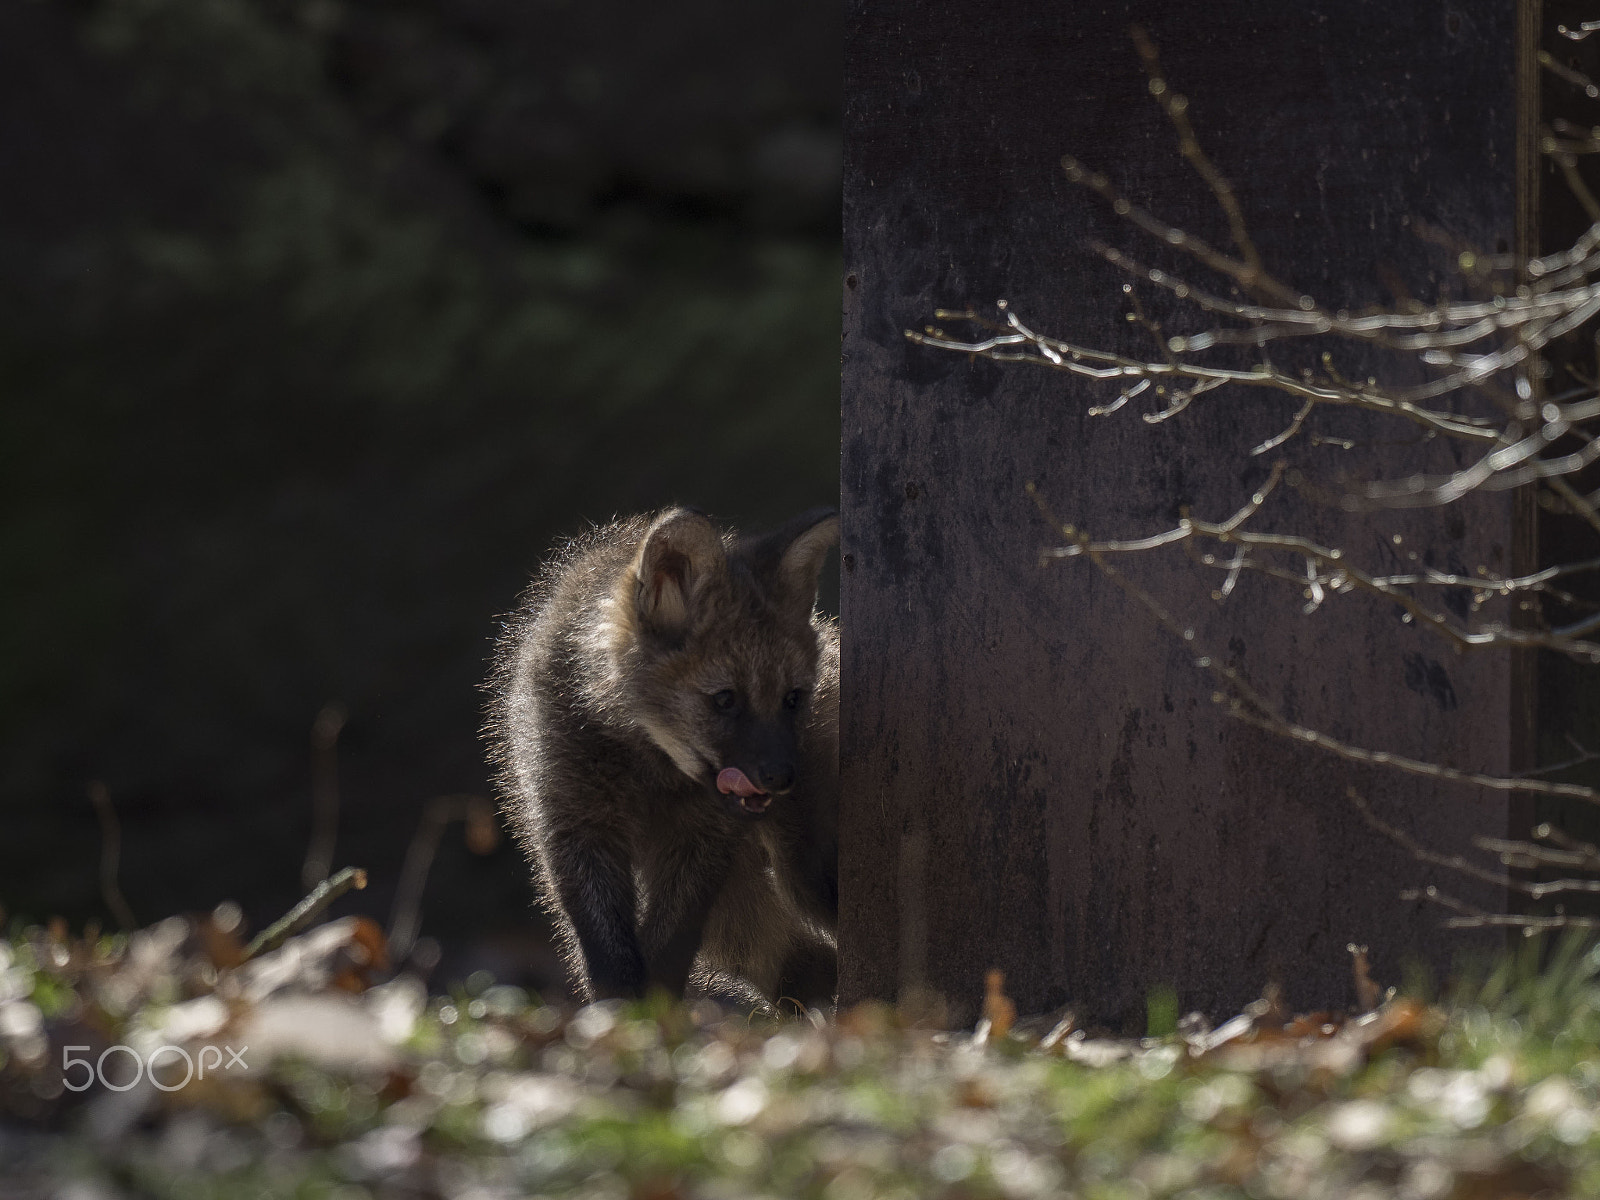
(715, 649)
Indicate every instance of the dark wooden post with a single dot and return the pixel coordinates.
(1035, 776)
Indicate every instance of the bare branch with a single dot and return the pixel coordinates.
(1295, 426)
(1583, 506)
(1100, 365)
(1248, 705)
(1584, 755)
(1274, 723)
(1470, 370)
(1254, 278)
(1472, 917)
(1246, 276)
(1327, 570)
(1526, 854)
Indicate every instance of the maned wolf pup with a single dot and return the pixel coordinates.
(665, 717)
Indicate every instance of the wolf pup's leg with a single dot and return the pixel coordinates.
(810, 974)
(592, 882)
(681, 889)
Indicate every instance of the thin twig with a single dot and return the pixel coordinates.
(324, 794)
(110, 857)
(1080, 360)
(1255, 278)
(1327, 568)
(1249, 706)
(405, 915)
(1472, 917)
(302, 914)
(1465, 866)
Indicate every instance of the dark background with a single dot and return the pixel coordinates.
(320, 321)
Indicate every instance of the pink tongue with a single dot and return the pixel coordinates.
(731, 779)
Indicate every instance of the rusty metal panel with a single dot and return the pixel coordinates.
(1035, 776)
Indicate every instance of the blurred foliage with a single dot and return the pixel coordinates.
(352, 1090)
(324, 321)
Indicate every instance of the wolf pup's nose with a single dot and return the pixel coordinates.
(778, 778)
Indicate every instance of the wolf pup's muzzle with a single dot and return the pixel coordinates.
(732, 781)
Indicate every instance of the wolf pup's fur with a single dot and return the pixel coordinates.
(665, 718)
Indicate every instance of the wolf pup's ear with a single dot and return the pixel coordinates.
(794, 556)
(681, 554)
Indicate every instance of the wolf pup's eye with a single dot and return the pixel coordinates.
(726, 700)
(792, 700)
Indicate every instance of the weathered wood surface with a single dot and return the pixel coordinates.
(1035, 776)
